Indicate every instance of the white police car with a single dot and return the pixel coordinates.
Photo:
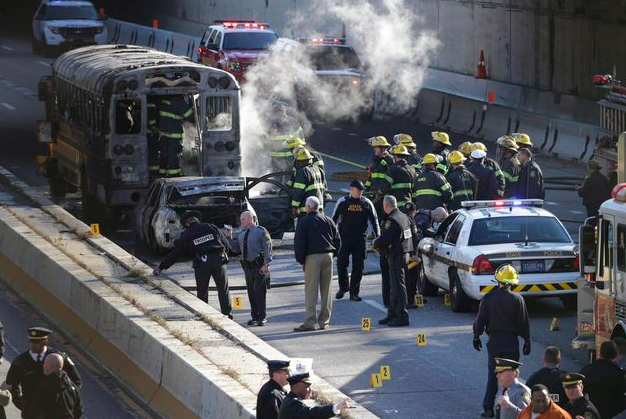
(474, 241)
(61, 23)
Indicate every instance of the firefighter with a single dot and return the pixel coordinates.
(487, 188)
(381, 162)
(466, 149)
(494, 166)
(400, 179)
(432, 190)
(462, 181)
(530, 184)
(294, 144)
(503, 316)
(282, 127)
(413, 159)
(173, 111)
(153, 138)
(506, 153)
(440, 144)
(522, 140)
(307, 182)
(594, 190)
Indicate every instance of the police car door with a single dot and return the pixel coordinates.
(446, 252)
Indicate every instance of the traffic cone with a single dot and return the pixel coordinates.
(481, 69)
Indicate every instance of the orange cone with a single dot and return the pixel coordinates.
(481, 69)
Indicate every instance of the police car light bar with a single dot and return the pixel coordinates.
(243, 24)
(503, 203)
(326, 40)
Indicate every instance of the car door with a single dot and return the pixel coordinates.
(152, 198)
(202, 50)
(446, 252)
(37, 22)
(206, 50)
(441, 255)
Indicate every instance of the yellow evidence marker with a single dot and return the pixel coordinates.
(95, 229)
(446, 300)
(421, 339)
(376, 381)
(419, 300)
(366, 324)
(385, 372)
(554, 325)
(237, 303)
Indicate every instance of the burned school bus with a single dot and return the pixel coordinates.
(103, 129)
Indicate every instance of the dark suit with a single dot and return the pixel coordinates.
(269, 400)
(294, 408)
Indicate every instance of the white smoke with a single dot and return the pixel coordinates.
(388, 35)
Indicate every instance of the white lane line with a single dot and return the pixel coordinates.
(45, 63)
(576, 212)
(376, 305)
(6, 105)
(550, 203)
(7, 48)
(336, 129)
(353, 134)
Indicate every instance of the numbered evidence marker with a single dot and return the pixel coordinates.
(385, 372)
(446, 300)
(237, 303)
(95, 229)
(366, 324)
(421, 339)
(554, 325)
(419, 300)
(376, 381)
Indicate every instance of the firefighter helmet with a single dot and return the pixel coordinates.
(399, 150)
(508, 142)
(378, 141)
(303, 154)
(293, 142)
(404, 139)
(478, 154)
(456, 157)
(430, 158)
(441, 137)
(466, 148)
(507, 274)
(479, 146)
(521, 138)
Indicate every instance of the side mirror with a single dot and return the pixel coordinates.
(587, 249)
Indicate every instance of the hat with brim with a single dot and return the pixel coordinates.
(503, 364)
(278, 364)
(38, 333)
(300, 378)
(478, 154)
(570, 380)
(357, 184)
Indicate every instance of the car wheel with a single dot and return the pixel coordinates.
(424, 286)
(570, 302)
(35, 46)
(459, 301)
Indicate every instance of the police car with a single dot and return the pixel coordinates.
(474, 241)
(65, 23)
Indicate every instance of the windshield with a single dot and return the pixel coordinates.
(498, 230)
(73, 12)
(333, 58)
(249, 40)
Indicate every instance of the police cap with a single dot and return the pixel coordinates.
(503, 364)
(277, 364)
(571, 379)
(357, 184)
(300, 378)
(37, 333)
(188, 215)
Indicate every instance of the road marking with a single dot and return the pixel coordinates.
(550, 203)
(353, 134)
(6, 105)
(7, 48)
(576, 212)
(45, 63)
(376, 305)
(336, 129)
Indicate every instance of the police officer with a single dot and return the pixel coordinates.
(306, 182)
(522, 140)
(282, 127)
(57, 396)
(395, 244)
(381, 162)
(411, 274)
(400, 179)
(432, 190)
(512, 395)
(352, 214)
(173, 111)
(413, 159)
(578, 404)
(503, 316)
(209, 247)
(487, 184)
(272, 394)
(440, 144)
(424, 219)
(594, 190)
(255, 246)
(506, 153)
(530, 185)
(26, 371)
(494, 166)
(462, 181)
(294, 408)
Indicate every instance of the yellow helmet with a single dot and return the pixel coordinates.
(466, 148)
(442, 137)
(399, 150)
(521, 138)
(456, 157)
(479, 146)
(508, 142)
(430, 158)
(378, 141)
(404, 139)
(293, 142)
(303, 154)
(507, 274)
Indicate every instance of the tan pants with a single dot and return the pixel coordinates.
(318, 273)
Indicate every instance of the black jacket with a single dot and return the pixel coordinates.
(58, 398)
(595, 190)
(378, 170)
(197, 240)
(315, 233)
(269, 400)
(551, 378)
(502, 312)
(493, 165)
(582, 407)
(352, 217)
(308, 181)
(530, 184)
(511, 169)
(463, 184)
(399, 182)
(442, 153)
(415, 161)
(397, 234)
(487, 182)
(432, 190)
(294, 408)
(605, 383)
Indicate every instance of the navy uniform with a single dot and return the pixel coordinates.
(173, 111)
(432, 190)
(395, 244)
(488, 187)
(462, 181)
(503, 316)
(551, 378)
(400, 179)
(581, 406)
(26, 373)
(271, 395)
(209, 247)
(58, 398)
(294, 408)
(352, 216)
(518, 393)
(530, 184)
(308, 181)
(594, 190)
(606, 386)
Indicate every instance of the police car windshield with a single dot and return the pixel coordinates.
(249, 40)
(70, 12)
(500, 230)
(333, 57)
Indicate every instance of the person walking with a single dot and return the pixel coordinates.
(271, 396)
(353, 214)
(255, 246)
(530, 183)
(578, 404)
(208, 246)
(316, 241)
(594, 189)
(502, 314)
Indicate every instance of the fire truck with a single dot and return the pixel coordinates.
(612, 124)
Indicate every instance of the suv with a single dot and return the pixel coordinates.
(235, 45)
(66, 24)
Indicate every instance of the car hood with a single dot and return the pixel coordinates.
(78, 23)
(245, 55)
(533, 250)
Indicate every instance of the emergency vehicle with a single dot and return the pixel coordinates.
(470, 245)
(235, 45)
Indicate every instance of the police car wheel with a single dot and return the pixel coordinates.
(424, 286)
(459, 301)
